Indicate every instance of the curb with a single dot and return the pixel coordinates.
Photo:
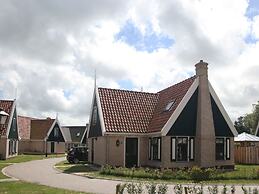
(11, 178)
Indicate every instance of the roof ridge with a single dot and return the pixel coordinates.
(192, 77)
(124, 90)
(9, 100)
(27, 117)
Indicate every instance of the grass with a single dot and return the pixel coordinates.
(243, 174)
(29, 188)
(29, 157)
(2, 176)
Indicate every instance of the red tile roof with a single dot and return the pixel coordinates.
(173, 93)
(24, 126)
(126, 111)
(140, 112)
(6, 105)
(40, 128)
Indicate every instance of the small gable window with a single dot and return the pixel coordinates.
(94, 118)
(78, 134)
(169, 105)
(155, 148)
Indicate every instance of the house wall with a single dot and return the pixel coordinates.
(231, 162)
(3, 148)
(59, 147)
(39, 146)
(115, 154)
(143, 151)
(99, 150)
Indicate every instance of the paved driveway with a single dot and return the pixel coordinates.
(42, 172)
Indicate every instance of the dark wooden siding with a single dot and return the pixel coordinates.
(185, 124)
(95, 130)
(220, 124)
(13, 133)
(58, 138)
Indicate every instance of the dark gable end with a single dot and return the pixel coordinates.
(13, 133)
(220, 124)
(56, 136)
(185, 124)
(95, 128)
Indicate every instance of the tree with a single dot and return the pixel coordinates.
(240, 126)
(249, 122)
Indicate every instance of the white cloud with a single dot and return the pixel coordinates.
(49, 50)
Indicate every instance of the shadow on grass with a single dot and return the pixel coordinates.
(82, 168)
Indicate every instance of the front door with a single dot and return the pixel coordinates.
(52, 147)
(131, 154)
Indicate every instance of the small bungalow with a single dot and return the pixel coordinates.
(183, 125)
(9, 135)
(45, 136)
(246, 149)
(74, 136)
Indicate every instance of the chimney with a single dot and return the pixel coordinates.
(205, 133)
(201, 68)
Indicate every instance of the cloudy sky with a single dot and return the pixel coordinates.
(50, 49)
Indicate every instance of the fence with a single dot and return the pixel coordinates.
(246, 154)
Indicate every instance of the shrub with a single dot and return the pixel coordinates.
(133, 188)
(197, 174)
(106, 169)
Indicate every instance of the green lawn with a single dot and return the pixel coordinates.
(18, 187)
(243, 174)
(26, 158)
(2, 176)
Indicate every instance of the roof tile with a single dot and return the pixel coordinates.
(6, 105)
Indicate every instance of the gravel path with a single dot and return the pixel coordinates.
(42, 172)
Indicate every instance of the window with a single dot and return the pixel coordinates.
(169, 105)
(182, 149)
(155, 148)
(219, 148)
(94, 117)
(78, 134)
(222, 148)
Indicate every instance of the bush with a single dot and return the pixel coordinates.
(197, 174)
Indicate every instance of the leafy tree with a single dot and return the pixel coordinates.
(240, 125)
(249, 122)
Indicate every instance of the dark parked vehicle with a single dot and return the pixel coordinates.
(77, 154)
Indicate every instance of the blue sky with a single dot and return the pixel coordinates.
(148, 41)
(253, 9)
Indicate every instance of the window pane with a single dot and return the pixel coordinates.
(182, 149)
(219, 149)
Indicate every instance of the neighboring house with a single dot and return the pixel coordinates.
(45, 134)
(181, 126)
(246, 149)
(24, 126)
(74, 135)
(9, 134)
